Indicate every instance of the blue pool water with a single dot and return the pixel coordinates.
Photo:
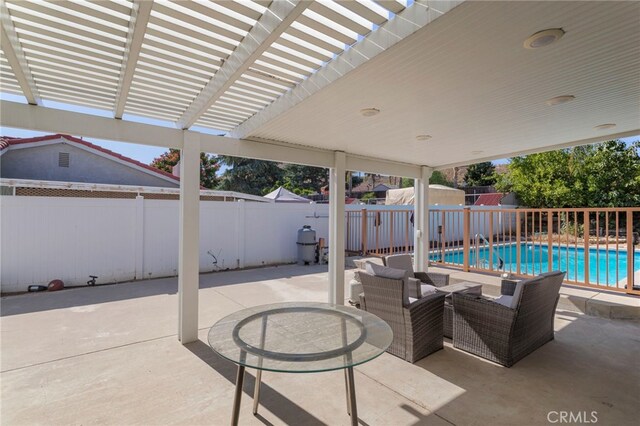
(534, 260)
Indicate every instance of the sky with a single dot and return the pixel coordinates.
(142, 153)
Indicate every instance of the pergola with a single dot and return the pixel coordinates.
(391, 87)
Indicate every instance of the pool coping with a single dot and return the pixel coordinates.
(589, 301)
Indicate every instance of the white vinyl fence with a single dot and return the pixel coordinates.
(46, 238)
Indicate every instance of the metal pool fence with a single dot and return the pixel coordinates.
(596, 247)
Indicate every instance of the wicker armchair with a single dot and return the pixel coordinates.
(417, 328)
(506, 335)
(403, 261)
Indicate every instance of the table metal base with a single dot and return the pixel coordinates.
(349, 382)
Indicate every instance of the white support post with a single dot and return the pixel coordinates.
(139, 237)
(336, 229)
(421, 220)
(189, 255)
(241, 218)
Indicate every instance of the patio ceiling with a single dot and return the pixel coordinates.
(299, 73)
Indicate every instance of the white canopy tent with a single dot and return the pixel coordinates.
(283, 195)
(388, 87)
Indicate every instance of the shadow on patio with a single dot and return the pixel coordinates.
(119, 361)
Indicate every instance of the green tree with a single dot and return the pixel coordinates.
(438, 178)
(255, 177)
(369, 196)
(602, 175)
(609, 174)
(480, 174)
(304, 179)
(208, 166)
(408, 182)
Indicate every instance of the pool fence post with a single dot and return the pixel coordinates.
(465, 238)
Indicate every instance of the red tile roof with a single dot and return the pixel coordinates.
(492, 199)
(6, 141)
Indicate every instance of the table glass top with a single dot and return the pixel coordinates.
(300, 337)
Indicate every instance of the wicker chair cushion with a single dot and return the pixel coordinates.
(505, 300)
(512, 301)
(394, 274)
(400, 261)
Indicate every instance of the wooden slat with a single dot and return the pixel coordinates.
(338, 18)
(80, 49)
(188, 49)
(251, 94)
(391, 5)
(40, 7)
(114, 47)
(303, 49)
(195, 82)
(238, 7)
(297, 59)
(68, 28)
(326, 30)
(47, 64)
(363, 11)
(207, 68)
(112, 19)
(219, 15)
(293, 68)
(265, 68)
(202, 23)
(314, 40)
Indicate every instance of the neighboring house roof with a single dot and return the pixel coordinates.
(282, 195)
(10, 143)
(492, 199)
(383, 187)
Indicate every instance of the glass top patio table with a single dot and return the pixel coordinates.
(300, 337)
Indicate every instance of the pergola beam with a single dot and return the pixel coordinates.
(15, 57)
(41, 119)
(31, 117)
(390, 33)
(275, 21)
(140, 13)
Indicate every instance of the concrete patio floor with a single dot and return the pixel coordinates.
(110, 355)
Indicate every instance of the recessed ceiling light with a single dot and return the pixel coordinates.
(605, 126)
(476, 152)
(369, 112)
(543, 38)
(560, 100)
(423, 137)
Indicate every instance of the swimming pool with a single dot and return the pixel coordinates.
(534, 260)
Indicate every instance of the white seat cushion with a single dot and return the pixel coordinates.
(427, 289)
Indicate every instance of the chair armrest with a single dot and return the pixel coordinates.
(508, 287)
(414, 288)
(434, 278)
(427, 302)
